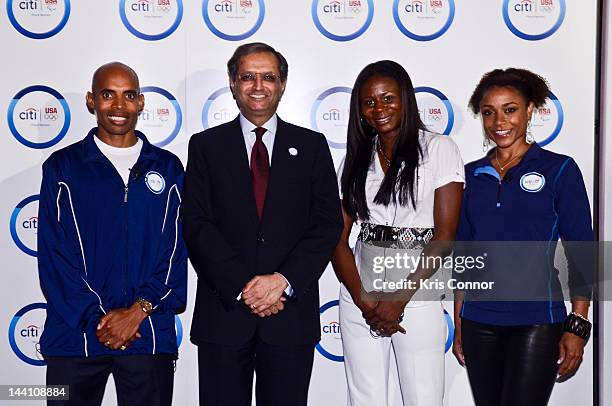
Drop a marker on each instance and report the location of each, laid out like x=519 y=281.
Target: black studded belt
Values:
x=396 y=237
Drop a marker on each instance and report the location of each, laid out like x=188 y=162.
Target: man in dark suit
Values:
x=261 y=217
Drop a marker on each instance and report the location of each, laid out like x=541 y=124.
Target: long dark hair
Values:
x=359 y=149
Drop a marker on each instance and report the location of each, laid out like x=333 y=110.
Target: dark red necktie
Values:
x=260 y=169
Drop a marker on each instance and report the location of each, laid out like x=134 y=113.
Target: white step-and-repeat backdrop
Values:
x=50 y=49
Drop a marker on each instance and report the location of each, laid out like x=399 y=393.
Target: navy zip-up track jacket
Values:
x=102 y=245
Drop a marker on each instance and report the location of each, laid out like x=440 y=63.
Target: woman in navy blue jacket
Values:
x=516 y=344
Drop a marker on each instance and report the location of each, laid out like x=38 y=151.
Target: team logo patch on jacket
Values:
x=155 y=182
x=532 y=182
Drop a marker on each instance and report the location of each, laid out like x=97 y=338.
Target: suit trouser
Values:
x=511 y=365
x=419 y=355
x=225 y=373
x=139 y=379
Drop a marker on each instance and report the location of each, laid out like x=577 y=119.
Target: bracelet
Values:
x=577 y=324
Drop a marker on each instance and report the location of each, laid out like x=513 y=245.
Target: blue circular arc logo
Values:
x=151 y=37
x=38 y=35
x=445 y=101
x=13 y=224
x=20 y=137
x=533 y=37
x=237 y=37
x=417 y=37
x=315 y=108
x=451 y=331
x=560 y=120
x=177 y=110
x=178 y=326
x=11 y=334
x=211 y=99
x=349 y=37
x=323 y=351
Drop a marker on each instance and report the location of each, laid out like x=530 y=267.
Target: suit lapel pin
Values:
x=293 y=151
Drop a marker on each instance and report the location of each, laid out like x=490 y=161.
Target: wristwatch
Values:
x=145 y=305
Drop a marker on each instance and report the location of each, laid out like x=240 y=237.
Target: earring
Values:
x=528 y=135
x=486 y=143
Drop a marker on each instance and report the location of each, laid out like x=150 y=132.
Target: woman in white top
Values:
x=403 y=186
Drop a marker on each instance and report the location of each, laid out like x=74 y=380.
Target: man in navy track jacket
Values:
x=111 y=260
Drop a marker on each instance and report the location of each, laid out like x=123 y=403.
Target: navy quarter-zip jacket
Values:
x=540 y=200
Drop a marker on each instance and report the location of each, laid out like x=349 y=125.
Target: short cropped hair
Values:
x=254 y=48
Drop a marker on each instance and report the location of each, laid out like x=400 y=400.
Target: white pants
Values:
x=419 y=355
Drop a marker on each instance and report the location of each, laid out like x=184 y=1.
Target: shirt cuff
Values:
x=288 y=289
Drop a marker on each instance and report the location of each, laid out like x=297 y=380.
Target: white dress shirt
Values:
x=267 y=138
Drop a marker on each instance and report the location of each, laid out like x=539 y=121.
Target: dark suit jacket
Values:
x=228 y=244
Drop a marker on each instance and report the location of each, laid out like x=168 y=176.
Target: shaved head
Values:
x=109 y=68
x=116 y=101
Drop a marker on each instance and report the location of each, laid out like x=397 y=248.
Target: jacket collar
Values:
x=93 y=153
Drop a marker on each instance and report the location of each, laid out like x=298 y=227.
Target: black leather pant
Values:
x=511 y=365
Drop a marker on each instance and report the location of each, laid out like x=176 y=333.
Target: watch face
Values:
x=147 y=307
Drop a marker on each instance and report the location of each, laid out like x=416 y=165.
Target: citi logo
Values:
x=224 y=6
x=531 y=5
x=29 y=113
x=524 y=6
x=30 y=331
x=415 y=6
x=37 y=5
x=30 y=224
x=333 y=327
x=29 y=5
x=333 y=115
x=333 y=7
x=34 y=114
x=146 y=115
x=141 y=6
x=337 y=7
x=223 y=115
x=146 y=6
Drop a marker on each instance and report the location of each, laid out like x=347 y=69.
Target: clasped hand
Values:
x=264 y=294
x=383 y=316
x=118 y=328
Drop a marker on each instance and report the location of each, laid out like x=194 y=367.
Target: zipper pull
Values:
x=125 y=195
x=498 y=193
